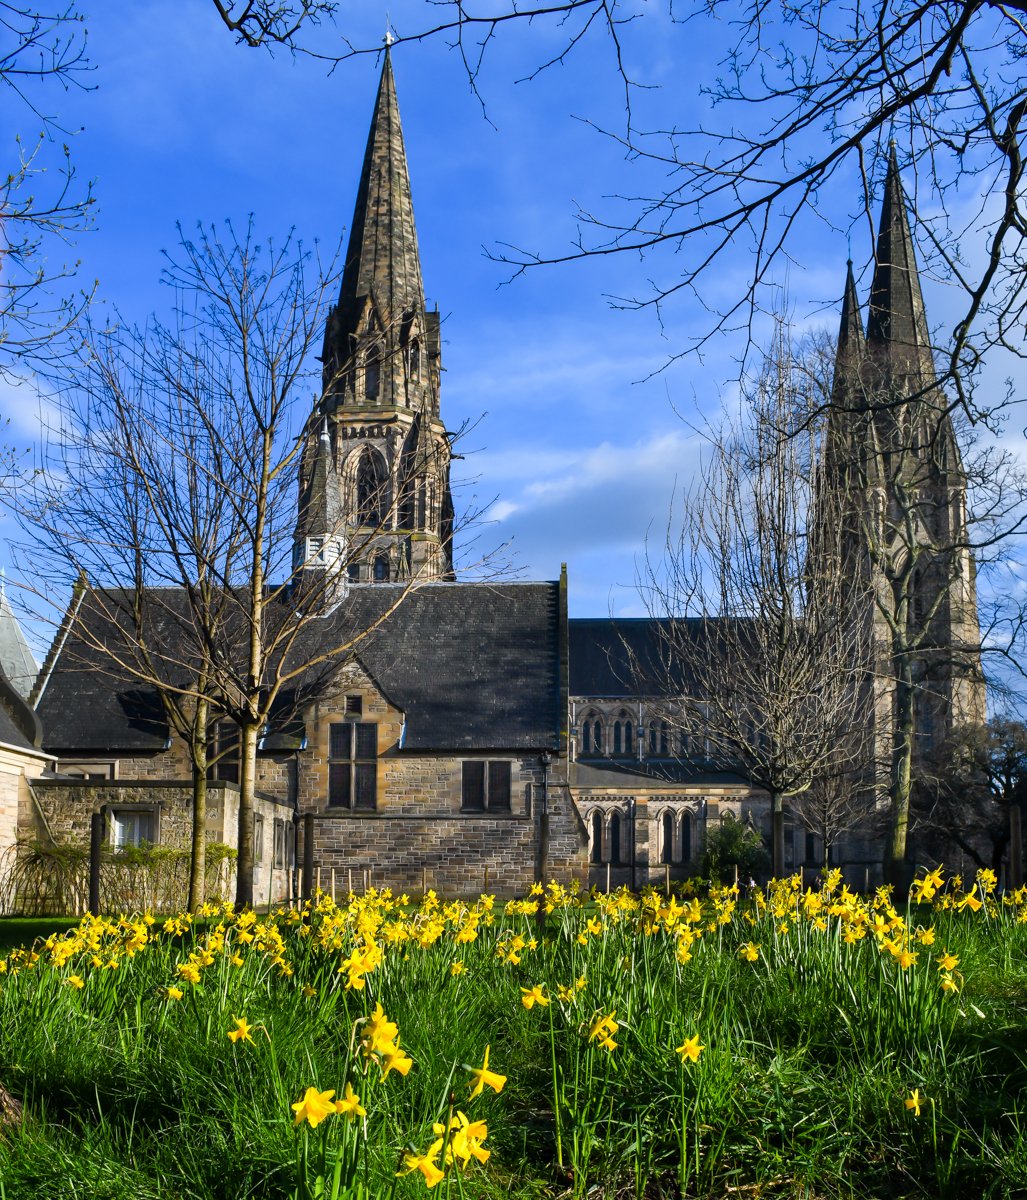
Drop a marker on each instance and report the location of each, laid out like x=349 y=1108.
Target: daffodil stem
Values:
x=556 y=1090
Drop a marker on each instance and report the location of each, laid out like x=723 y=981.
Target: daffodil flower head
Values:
x=241 y=1032
x=313 y=1106
x=426 y=1164
x=690 y=1049
x=914 y=1101
x=482 y=1077
x=350 y=1106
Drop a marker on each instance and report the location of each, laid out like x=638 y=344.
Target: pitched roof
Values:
x=17 y=661
x=472 y=667
x=19 y=725
x=628 y=656
x=642 y=776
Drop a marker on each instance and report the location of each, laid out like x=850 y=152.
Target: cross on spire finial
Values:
x=389 y=37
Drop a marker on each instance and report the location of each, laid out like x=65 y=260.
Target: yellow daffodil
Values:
x=456 y=968
x=948 y=962
x=241 y=1032
x=602 y=1031
x=690 y=1049
x=532 y=996
x=750 y=951
x=914 y=1101
x=482 y=1076
x=175 y=993
x=948 y=983
x=395 y=1059
x=313 y=1106
x=350 y=1106
x=426 y=1164
x=308 y=991
x=76 y=981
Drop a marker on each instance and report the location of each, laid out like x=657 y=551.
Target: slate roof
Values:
x=472 y=667
x=19 y=725
x=16 y=658
x=647 y=775
x=628 y=656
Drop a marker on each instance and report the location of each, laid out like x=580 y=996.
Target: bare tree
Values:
x=42 y=205
x=171 y=488
x=766 y=631
x=972 y=794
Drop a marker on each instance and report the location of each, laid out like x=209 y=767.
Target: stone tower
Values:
x=893 y=464
x=375 y=502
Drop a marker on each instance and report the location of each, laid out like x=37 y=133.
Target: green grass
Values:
x=810 y=1052
x=23 y=931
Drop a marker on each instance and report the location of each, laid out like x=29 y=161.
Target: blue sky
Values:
x=580 y=439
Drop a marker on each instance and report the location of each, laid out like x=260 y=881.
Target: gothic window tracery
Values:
x=371 y=489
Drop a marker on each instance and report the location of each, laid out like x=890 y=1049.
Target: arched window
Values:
x=381 y=569
x=372 y=372
x=415 y=359
x=371 y=505
x=664 y=739
x=596 y=827
x=614 y=855
x=591 y=735
x=623 y=737
x=618 y=735
x=668 y=838
x=686 y=839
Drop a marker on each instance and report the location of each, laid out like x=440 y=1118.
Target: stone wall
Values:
x=59 y=812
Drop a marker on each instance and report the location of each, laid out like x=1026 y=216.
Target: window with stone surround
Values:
x=223 y=752
x=133 y=827
x=485 y=785
x=258 y=838
x=353 y=765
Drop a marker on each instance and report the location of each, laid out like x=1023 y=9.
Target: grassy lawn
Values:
x=23 y=931
x=801 y=1045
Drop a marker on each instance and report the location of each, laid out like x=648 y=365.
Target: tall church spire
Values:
x=382 y=259
x=897 y=327
x=384 y=453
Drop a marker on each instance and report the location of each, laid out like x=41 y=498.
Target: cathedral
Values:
x=480 y=737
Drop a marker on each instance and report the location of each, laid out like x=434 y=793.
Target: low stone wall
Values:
x=57 y=818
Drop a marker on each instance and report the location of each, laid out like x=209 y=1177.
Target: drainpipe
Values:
x=545 y=759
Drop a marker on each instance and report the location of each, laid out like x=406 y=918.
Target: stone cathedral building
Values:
x=480 y=736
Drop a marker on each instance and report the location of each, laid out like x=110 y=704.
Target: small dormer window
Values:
x=322 y=552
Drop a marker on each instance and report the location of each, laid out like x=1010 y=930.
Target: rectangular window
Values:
x=485 y=785
x=258 y=839
x=223 y=752
x=278 y=862
x=353 y=765
x=134 y=827
x=473 y=787
x=354 y=706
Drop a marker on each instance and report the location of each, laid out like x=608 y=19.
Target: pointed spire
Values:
x=382 y=258
x=897 y=323
x=321 y=512
x=850 y=329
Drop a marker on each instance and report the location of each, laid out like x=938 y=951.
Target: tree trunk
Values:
x=198 y=855
x=247 y=785
x=777 y=836
x=901 y=782
x=198 y=858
